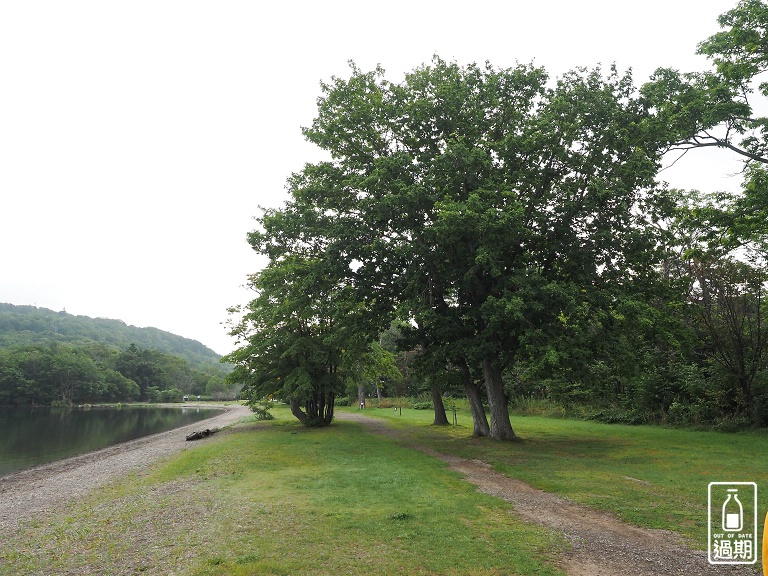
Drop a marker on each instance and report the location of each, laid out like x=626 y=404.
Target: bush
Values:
x=423 y=406
x=261 y=410
x=620 y=416
x=535 y=406
x=733 y=424
x=172 y=395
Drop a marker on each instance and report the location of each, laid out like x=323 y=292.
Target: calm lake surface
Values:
x=33 y=436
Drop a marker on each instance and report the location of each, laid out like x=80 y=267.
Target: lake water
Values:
x=33 y=436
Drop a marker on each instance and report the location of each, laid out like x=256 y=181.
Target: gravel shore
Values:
x=43 y=489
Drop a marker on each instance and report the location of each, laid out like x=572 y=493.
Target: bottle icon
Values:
x=733 y=512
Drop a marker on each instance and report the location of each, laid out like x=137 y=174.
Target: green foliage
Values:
x=716 y=109
x=477 y=203
x=75 y=374
x=514 y=229
x=292 y=338
x=60 y=373
x=261 y=412
x=261 y=408
x=740 y=51
x=620 y=416
x=171 y=395
x=28 y=325
x=48 y=356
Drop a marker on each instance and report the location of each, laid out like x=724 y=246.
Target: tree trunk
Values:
x=378 y=393
x=501 y=427
x=329 y=404
x=361 y=396
x=297 y=411
x=441 y=419
x=472 y=390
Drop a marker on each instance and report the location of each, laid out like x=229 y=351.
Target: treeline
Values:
x=67 y=374
x=28 y=325
x=515 y=230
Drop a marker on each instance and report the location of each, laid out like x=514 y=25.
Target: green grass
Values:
x=277 y=498
x=648 y=476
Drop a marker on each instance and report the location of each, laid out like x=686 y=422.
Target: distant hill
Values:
x=24 y=325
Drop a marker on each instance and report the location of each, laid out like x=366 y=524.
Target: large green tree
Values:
x=292 y=338
x=478 y=203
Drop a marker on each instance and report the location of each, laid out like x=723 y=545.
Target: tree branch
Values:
x=711 y=141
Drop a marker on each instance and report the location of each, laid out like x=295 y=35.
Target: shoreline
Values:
x=41 y=489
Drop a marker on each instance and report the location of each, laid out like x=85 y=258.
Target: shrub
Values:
x=172 y=395
x=620 y=416
x=261 y=410
x=733 y=424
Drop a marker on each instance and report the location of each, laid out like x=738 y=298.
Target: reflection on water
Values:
x=33 y=436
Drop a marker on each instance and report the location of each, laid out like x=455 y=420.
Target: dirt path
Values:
x=43 y=489
x=602 y=545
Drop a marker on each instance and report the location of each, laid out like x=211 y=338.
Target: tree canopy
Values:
x=513 y=227
x=723 y=107
x=478 y=204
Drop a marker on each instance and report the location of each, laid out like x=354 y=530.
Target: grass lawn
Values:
x=276 y=498
x=648 y=476
x=281 y=499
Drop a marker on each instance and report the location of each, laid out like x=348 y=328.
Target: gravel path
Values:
x=601 y=544
x=43 y=489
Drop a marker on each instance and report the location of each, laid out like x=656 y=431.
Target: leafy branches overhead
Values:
x=706 y=109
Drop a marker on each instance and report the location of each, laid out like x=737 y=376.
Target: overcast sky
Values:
x=138 y=139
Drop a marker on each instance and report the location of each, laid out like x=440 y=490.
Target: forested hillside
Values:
x=51 y=357
x=24 y=325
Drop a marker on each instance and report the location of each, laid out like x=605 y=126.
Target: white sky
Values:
x=137 y=139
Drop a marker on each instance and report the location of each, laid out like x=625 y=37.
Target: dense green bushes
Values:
x=69 y=374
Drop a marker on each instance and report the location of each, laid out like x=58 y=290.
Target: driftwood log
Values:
x=202 y=434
